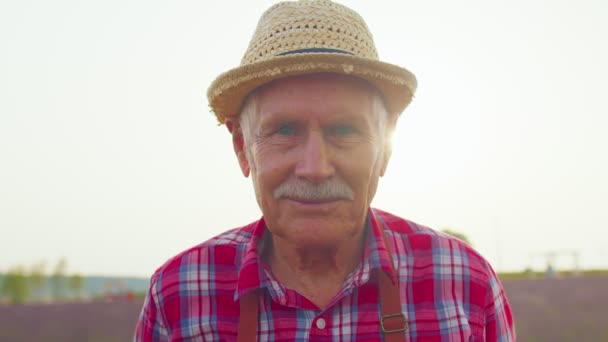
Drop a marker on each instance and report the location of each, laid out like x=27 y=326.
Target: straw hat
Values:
x=305 y=37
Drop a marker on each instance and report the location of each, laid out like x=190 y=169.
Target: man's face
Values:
x=315 y=155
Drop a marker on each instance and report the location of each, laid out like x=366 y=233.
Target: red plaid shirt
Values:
x=448 y=291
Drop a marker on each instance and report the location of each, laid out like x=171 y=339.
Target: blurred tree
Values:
x=58 y=279
x=76 y=285
x=457 y=234
x=37 y=278
x=15 y=285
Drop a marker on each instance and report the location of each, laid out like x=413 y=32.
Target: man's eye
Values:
x=342 y=130
x=286 y=129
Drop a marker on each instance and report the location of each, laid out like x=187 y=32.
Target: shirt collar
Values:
x=375 y=256
x=250 y=272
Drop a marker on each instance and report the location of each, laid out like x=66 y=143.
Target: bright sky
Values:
x=109 y=155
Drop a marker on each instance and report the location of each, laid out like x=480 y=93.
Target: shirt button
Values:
x=320 y=323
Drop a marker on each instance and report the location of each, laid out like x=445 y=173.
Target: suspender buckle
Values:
x=394 y=330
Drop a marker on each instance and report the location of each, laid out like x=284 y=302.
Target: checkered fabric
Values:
x=448 y=291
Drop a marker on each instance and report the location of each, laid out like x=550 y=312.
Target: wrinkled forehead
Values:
x=316 y=92
x=321 y=96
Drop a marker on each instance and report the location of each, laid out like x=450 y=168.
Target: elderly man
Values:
x=311 y=110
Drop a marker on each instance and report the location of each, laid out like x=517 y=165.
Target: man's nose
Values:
x=315 y=162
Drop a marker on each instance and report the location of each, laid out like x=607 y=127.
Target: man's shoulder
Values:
x=402 y=227
x=222 y=250
x=419 y=239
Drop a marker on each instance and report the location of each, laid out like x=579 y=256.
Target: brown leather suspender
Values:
x=393 y=322
x=248 y=320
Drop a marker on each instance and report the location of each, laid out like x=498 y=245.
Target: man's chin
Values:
x=316 y=230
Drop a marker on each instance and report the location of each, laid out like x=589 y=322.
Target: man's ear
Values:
x=238 y=143
x=388 y=143
x=388 y=150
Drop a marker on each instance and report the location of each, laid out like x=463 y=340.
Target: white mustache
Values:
x=332 y=189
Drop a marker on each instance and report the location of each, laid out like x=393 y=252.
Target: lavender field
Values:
x=563 y=309
x=70 y=322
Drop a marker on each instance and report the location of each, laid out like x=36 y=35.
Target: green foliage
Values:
x=15 y=285
x=58 y=280
x=141 y=295
x=37 y=278
x=457 y=235
x=34 y=284
x=76 y=283
x=531 y=274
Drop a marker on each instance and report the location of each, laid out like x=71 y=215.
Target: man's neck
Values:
x=316 y=273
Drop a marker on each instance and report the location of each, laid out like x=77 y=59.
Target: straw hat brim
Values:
x=228 y=91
